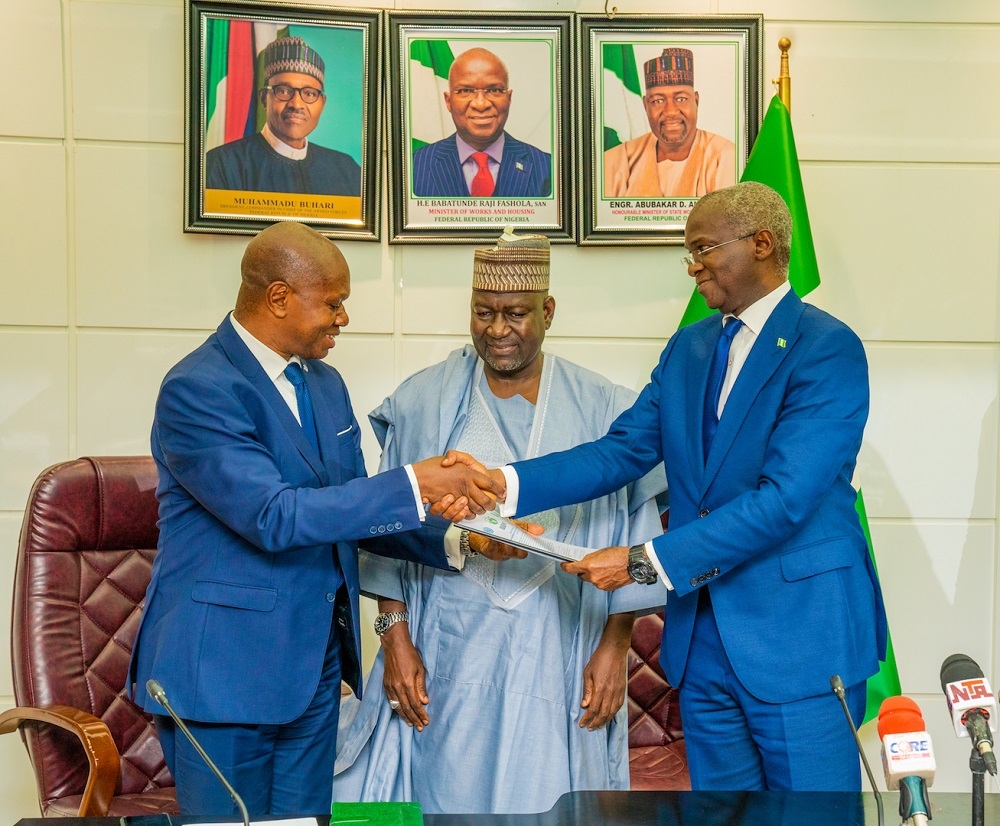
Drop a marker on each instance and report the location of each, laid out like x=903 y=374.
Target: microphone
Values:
x=837 y=685
x=972 y=705
x=157 y=693
x=907 y=757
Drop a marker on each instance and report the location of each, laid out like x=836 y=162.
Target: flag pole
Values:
x=784 y=80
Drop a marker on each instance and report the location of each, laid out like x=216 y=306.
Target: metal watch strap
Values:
x=639 y=567
x=464 y=546
x=383 y=622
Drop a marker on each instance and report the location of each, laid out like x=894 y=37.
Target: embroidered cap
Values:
x=675 y=67
x=518 y=263
x=291 y=54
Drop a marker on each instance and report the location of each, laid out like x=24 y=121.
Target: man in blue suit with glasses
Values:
x=757 y=414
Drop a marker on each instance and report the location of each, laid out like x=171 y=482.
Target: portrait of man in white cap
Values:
x=280 y=157
x=675 y=158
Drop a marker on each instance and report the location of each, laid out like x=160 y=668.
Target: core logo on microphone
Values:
x=907 y=749
x=966 y=690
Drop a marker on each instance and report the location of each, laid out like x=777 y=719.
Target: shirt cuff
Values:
x=452 y=549
x=655 y=562
x=416 y=491
x=509 y=506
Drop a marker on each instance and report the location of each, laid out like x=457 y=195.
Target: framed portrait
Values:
x=480 y=128
x=670 y=107
x=282 y=117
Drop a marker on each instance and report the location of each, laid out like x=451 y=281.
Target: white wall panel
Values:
x=599 y=291
x=938 y=581
x=33 y=233
x=128 y=71
x=32 y=50
x=627 y=363
x=865 y=92
x=135 y=267
x=931 y=11
x=909 y=252
x=930 y=447
x=118 y=377
x=34 y=409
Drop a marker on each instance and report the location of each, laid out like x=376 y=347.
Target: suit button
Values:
x=330 y=596
x=716 y=572
x=703 y=513
x=399 y=526
x=694 y=582
x=381 y=528
x=389 y=528
x=373 y=530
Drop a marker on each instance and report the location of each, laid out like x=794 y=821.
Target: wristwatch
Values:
x=639 y=567
x=383 y=622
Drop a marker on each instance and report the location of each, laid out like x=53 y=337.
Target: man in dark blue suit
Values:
x=251 y=616
x=757 y=414
x=480 y=159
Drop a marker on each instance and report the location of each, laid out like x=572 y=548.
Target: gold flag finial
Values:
x=784 y=80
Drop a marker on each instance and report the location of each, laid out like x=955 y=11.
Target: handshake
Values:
x=456 y=486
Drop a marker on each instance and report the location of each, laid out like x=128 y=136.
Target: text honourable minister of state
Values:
x=480 y=160
x=280 y=158
x=251 y=615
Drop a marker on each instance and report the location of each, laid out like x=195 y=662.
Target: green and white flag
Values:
x=430 y=121
x=621 y=100
x=775 y=162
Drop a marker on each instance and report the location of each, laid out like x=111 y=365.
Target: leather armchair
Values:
x=84 y=558
x=657 y=758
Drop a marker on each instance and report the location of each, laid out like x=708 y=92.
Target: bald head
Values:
x=478 y=60
x=294 y=283
x=478 y=97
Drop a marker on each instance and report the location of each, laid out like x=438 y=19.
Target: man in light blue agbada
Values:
x=504 y=683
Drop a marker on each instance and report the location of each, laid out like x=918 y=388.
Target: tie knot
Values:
x=731 y=328
x=481 y=159
x=295 y=374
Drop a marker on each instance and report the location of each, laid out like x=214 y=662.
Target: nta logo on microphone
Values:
x=966 y=690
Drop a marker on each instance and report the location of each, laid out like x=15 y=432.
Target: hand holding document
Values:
x=501 y=529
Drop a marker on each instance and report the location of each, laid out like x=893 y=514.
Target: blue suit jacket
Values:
x=525 y=172
x=769 y=520
x=239 y=609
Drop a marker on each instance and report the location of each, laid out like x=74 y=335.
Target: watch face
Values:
x=381 y=624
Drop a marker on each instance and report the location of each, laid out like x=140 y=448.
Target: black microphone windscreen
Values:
x=959 y=667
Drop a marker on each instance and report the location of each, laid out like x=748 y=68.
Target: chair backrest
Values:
x=85 y=553
x=654 y=717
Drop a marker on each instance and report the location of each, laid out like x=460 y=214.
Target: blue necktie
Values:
x=296 y=375
x=720 y=361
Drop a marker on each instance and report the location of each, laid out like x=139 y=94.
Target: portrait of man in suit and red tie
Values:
x=480 y=158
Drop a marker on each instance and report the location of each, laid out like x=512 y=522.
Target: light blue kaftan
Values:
x=504 y=644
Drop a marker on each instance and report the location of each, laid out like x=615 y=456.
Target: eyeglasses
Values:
x=491 y=93
x=285 y=93
x=696 y=256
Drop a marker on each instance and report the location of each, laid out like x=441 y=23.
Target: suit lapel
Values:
x=446 y=169
x=515 y=170
x=331 y=418
x=773 y=345
x=244 y=361
x=706 y=335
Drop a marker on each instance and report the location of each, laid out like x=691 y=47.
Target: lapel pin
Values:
x=782 y=342
x=519 y=166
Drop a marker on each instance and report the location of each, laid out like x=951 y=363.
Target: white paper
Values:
x=497 y=527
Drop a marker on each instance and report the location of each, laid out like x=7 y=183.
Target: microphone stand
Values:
x=978 y=766
x=837 y=685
